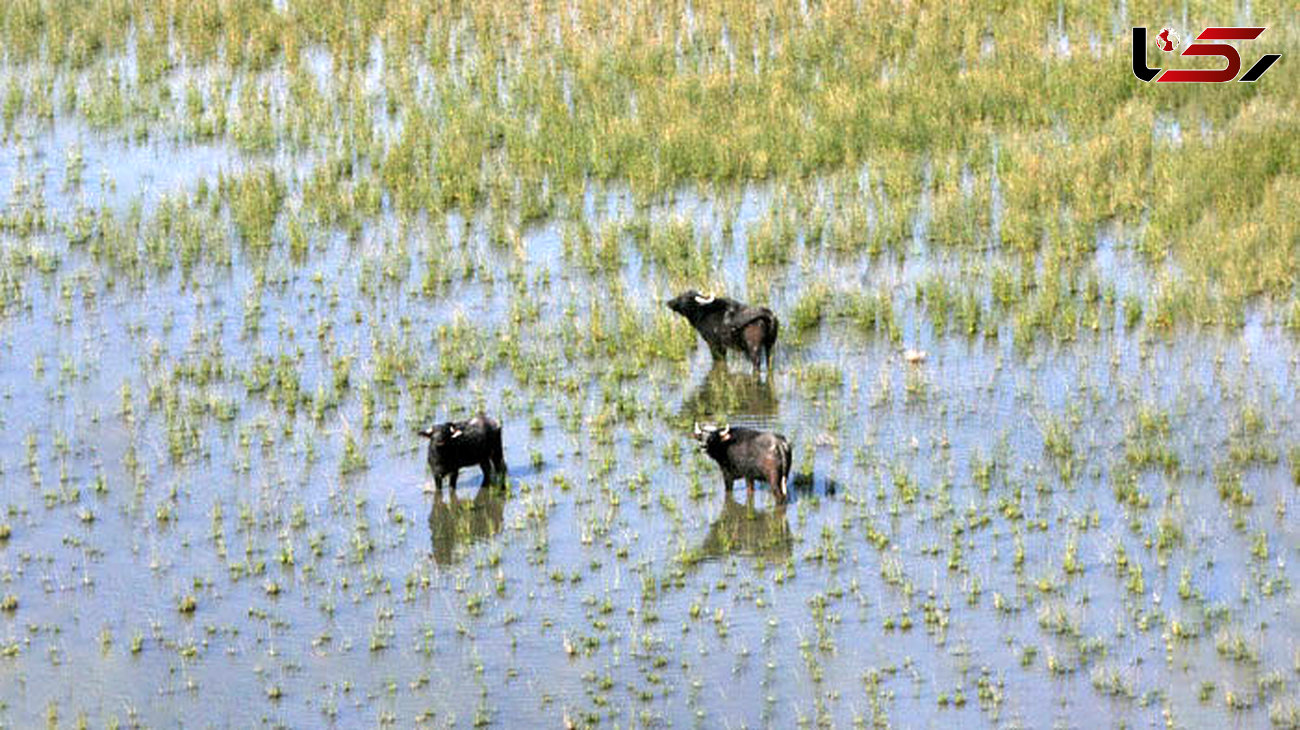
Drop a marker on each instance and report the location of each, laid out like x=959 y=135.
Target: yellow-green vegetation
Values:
x=483 y=101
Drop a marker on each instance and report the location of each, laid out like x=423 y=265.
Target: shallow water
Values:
x=952 y=555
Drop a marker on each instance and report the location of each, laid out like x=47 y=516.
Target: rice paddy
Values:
x=1038 y=361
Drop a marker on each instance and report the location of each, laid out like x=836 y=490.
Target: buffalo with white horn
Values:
x=745 y=453
x=457 y=444
x=728 y=324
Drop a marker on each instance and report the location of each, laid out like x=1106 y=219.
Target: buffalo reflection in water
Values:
x=455 y=524
x=742 y=529
x=724 y=396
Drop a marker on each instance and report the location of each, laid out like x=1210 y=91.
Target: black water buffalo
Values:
x=743 y=453
x=726 y=323
x=456 y=444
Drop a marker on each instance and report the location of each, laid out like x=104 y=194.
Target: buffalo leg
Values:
x=452 y=478
x=726 y=482
x=753 y=339
x=749 y=484
x=497 y=456
x=499 y=467
x=778 y=486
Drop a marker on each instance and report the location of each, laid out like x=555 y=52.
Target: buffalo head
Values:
x=442 y=433
x=691 y=302
x=710 y=435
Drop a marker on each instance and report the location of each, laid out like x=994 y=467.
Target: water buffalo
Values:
x=456 y=444
x=726 y=323
x=744 y=453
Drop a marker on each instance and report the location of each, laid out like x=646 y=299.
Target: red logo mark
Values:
x=1167 y=40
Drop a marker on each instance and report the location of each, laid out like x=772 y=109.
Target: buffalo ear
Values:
x=455 y=432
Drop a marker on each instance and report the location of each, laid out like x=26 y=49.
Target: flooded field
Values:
x=1044 y=418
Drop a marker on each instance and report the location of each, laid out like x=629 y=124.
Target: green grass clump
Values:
x=255 y=200
x=809 y=310
x=873 y=314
